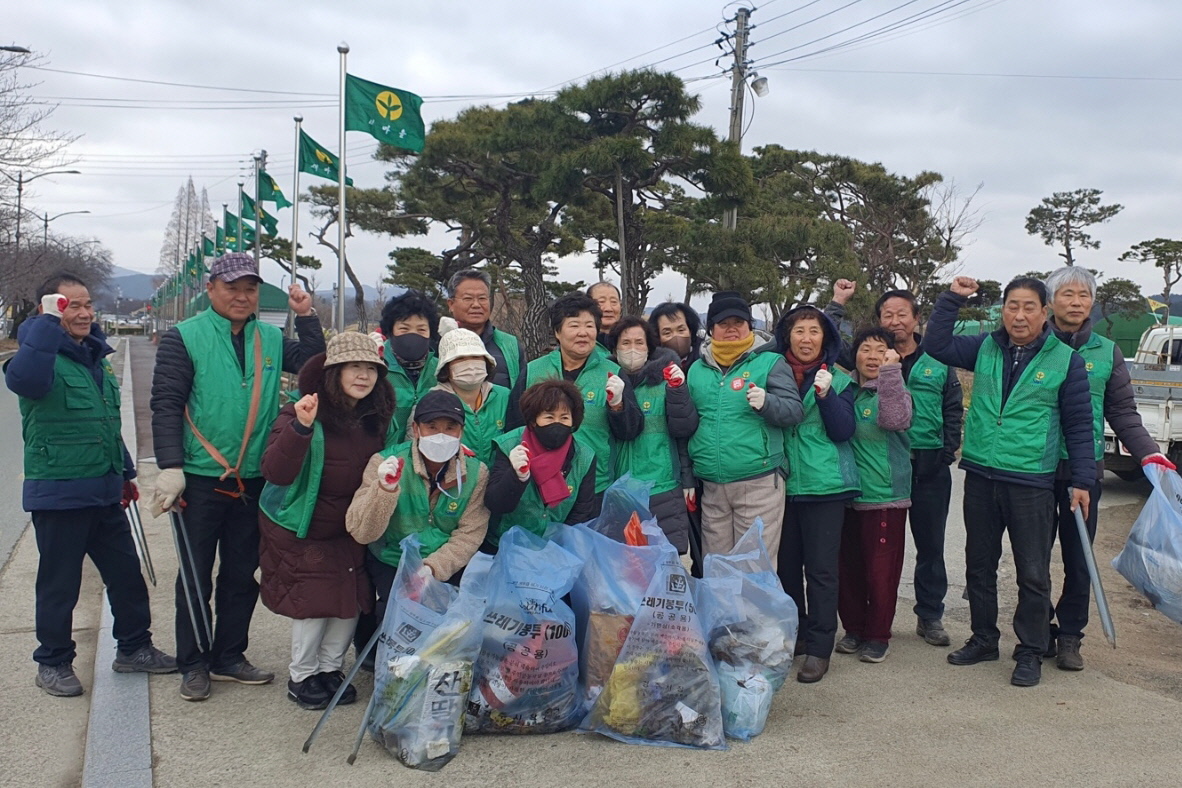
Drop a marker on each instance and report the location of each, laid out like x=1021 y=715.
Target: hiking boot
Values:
x=243 y=673
x=195 y=684
x=813 y=670
x=1068 y=657
x=59 y=680
x=972 y=652
x=1028 y=671
x=147 y=659
x=874 y=651
x=848 y=644
x=332 y=680
x=932 y=631
x=309 y=693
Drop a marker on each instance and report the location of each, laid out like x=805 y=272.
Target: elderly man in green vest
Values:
x=1030 y=399
x=215 y=392
x=1072 y=292
x=470 y=305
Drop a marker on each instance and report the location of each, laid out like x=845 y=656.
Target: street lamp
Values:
x=17 y=50
x=21 y=180
x=48 y=219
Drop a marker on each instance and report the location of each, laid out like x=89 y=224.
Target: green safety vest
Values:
x=732 y=442
x=406 y=393
x=219 y=401
x=1024 y=436
x=591 y=382
x=883 y=456
x=414 y=513
x=291 y=506
x=926 y=384
x=652 y=455
x=1097 y=356
x=817 y=465
x=531 y=513
x=482 y=427
x=511 y=350
x=73 y=432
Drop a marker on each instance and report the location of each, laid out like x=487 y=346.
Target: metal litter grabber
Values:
x=190 y=580
x=336 y=698
x=132 y=513
x=1097 y=586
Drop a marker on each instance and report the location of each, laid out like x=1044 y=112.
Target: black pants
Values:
x=1070 y=615
x=227 y=528
x=931 y=490
x=809 y=546
x=1028 y=513
x=64 y=539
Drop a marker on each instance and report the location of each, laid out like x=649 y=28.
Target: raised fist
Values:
x=519 y=461
x=964 y=286
x=615 y=390
x=674 y=376
x=822 y=381
x=891 y=357
x=299 y=300
x=305 y=409
x=54 y=304
x=389 y=473
x=756 y=396
x=843 y=290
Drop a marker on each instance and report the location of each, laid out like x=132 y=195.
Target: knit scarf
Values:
x=545 y=468
x=727 y=352
x=800 y=369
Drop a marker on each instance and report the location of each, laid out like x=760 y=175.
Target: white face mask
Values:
x=631 y=359
x=468 y=373
x=439 y=447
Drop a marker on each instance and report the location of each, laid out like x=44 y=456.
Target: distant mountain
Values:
x=131 y=285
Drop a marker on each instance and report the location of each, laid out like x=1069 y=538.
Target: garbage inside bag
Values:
x=1152 y=556
x=663 y=689
x=753 y=626
x=423 y=669
x=527 y=674
x=624 y=501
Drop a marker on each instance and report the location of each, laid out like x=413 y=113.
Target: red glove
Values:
x=1159 y=459
x=674 y=376
x=130 y=493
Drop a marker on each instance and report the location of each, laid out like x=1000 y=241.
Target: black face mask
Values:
x=552 y=436
x=410 y=347
x=679 y=345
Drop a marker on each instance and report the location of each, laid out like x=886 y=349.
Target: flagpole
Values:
x=295 y=208
x=258 y=206
x=343 y=49
x=241 y=226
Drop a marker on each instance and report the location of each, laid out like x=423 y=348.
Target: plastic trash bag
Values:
x=527 y=674
x=752 y=631
x=663 y=689
x=423 y=668
x=1152 y=556
x=625 y=498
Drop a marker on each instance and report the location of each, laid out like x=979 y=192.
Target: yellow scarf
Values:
x=726 y=353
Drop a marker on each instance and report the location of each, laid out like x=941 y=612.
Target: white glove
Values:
x=673 y=375
x=378 y=340
x=54 y=304
x=519 y=460
x=169 y=486
x=423 y=572
x=822 y=381
x=447 y=324
x=756 y=396
x=691 y=499
x=615 y=390
x=390 y=473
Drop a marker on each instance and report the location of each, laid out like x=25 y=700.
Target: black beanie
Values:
x=727 y=303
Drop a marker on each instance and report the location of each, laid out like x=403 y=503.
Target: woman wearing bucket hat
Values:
x=465 y=369
x=312 y=569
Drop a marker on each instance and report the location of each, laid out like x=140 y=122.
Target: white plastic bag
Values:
x=1152 y=557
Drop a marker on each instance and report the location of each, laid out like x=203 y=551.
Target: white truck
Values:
x=1156 y=372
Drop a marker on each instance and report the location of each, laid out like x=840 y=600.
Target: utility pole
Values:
x=738 y=83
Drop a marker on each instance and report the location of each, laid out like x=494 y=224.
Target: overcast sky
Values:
x=1026 y=97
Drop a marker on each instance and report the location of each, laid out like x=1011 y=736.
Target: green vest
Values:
x=531 y=513
x=591 y=381
x=219 y=401
x=1097 y=356
x=482 y=427
x=1024 y=436
x=926 y=384
x=291 y=506
x=732 y=442
x=415 y=514
x=817 y=465
x=511 y=350
x=74 y=432
x=652 y=455
x=406 y=393
x=883 y=456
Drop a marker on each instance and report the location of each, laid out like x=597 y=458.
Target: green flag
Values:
x=387 y=114
x=259 y=215
x=219 y=244
x=232 y=245
x=269 y=191
x=316 y=160
x=208 y=248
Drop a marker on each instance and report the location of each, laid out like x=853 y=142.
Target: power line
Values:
x=176 y=84
x=983 y=74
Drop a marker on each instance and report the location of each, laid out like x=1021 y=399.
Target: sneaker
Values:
x=332 y=680
x=243 y=673
x=874 y=651
x=59 y=680
x=309 y=693
x=1068 y=656
x=147 y=659
x=1028 y=671
x=195 y=684
x=972 y=652
x=848 y=644
x=932 y=631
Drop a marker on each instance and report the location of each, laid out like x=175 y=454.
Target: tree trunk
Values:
x=535 y=334
x=358 y=298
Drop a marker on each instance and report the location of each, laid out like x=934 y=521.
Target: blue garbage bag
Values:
x=1152 y=556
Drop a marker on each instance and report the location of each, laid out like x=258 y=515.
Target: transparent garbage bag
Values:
x=1152 y=556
